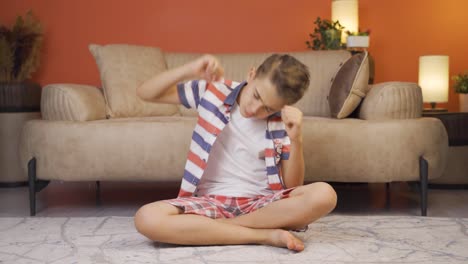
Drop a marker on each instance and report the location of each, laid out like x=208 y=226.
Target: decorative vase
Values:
x=357 y=41
x=463 y=102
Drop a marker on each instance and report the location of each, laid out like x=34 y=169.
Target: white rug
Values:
x=334 y=239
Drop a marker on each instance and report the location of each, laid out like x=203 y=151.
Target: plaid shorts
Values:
x=217 y=206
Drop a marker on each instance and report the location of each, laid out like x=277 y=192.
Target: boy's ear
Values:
x=251 y=74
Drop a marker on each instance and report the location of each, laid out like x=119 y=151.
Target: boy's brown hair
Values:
x=290 y=77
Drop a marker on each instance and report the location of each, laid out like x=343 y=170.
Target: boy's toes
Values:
x=292 y=242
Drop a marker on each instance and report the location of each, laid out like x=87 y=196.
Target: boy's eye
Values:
x=256 y=96
x=269 y=110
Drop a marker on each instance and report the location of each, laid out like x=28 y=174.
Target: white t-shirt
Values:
x=234 y=167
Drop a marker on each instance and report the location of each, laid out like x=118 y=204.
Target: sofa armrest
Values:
x=356 y=150
x=392 y=100
x=72 y=102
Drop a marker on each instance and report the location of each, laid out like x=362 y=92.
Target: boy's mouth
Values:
x=248 y=114
x=245 y=113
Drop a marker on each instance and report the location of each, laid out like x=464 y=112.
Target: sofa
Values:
x=107 y=133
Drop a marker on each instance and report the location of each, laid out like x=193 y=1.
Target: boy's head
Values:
x=280 y=80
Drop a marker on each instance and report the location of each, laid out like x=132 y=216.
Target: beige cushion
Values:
x=72 y=102
x=123 y=68
x=392 y=100
x=349 y=86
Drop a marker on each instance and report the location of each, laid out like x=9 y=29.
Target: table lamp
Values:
x=434 y=80
x=346 y=12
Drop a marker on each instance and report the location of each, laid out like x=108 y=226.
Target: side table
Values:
x=456 y=124
x=11 y=124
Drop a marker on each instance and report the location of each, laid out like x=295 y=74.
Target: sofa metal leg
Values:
x=387 y=195
x=35 y=185
x=32 y=186
x=423 y=174
x=98 y=193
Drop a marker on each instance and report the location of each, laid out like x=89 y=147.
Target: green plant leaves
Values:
x=326 y=36
x=461 y=83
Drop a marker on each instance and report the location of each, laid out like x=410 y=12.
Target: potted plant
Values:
x=358 y=39
x=326 y=36
x=19 y=57
x=20 y=98
x=461 y=87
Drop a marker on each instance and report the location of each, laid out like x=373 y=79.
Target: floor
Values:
x=78 y=199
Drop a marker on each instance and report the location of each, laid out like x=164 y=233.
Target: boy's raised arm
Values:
x=293 y=168
x=162 y=88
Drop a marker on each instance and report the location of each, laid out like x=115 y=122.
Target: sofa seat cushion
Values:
x=355 y=150
x=123 y=68
x=143 y=149
x=155 y=149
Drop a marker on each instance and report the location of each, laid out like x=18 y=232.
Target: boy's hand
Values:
x=292 y=118
x=206 y=67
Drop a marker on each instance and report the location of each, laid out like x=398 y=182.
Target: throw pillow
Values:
x=349 y=86
x=123 y=68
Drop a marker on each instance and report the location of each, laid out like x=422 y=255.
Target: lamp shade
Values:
x=434 y=78
x=346 y=12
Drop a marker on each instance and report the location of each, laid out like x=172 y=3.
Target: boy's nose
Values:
x=256 y=108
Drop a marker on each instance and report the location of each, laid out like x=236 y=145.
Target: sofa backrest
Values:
x=322 y=65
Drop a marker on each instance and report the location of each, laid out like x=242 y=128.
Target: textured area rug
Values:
x=333 y=239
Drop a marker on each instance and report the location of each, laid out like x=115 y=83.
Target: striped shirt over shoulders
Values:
x=214 y=101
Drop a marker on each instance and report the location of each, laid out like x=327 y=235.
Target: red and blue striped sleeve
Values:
x=191 y=92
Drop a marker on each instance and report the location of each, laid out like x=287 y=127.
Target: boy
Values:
x=252 y=186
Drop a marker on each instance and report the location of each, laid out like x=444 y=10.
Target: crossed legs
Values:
x=160 y=221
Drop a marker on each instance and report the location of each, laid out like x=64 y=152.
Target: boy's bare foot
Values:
x=283 y=238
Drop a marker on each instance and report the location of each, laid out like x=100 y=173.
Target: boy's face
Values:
x=259 y=98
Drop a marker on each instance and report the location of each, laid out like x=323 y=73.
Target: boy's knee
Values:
x=143 y=218
x=324 y=196
x=332 y=197
x=148 y=219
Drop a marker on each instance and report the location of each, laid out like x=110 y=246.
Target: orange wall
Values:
x=402 y=30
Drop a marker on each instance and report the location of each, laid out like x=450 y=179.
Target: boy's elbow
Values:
x=140 y=93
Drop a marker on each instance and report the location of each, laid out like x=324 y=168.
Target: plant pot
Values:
x=332 y=39
x=463 y=98
x=20 y=97
x=357 y=42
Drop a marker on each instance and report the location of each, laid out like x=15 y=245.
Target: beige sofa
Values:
x=109 y=134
